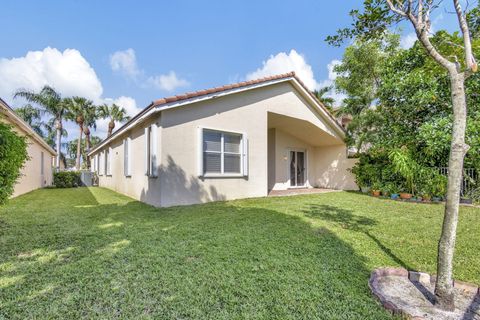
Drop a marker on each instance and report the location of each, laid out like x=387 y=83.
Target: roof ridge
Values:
x=202 y=92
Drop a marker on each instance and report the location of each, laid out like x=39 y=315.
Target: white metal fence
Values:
x=471 y=179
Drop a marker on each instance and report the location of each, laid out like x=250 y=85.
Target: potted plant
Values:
x=427 y=197
x=406 y=195
x=376 y=189
x=438 y=187
x=386 y=189
x=406 y=167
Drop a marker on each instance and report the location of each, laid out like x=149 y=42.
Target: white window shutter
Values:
x=109 y=167
x=96 y=163
x=102 y=163
x=105 y=162
x=154 y=149
x=245 y=155
x=200 y=152
x=129 y=152
x=125 y=157
x=99 y=165
x=147 y=156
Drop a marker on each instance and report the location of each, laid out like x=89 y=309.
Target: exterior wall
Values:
x=178 y=181
x=332 y=168
x=138 y=185
x=271 y=158
x=243 y=113
x=31 y=174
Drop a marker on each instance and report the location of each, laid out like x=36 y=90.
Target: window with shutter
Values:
x=151 y=136
x=223 y=153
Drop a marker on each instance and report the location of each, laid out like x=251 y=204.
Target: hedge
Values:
x=13 y=154
x=66 y=179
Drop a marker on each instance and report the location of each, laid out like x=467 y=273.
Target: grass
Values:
x=92 y=253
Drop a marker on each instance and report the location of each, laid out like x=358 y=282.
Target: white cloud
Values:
x=67 y=71
x=407 y=41
x=168 y=82
x=285 y=62
x=128 y=103
x=294 y=61
x=332 y=75
x=126 y=63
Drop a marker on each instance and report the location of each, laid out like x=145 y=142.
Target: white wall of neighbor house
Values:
x=36 y=173
x=180 y=180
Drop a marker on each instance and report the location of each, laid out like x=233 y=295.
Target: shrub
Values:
x=66 y=179
x=13 y=154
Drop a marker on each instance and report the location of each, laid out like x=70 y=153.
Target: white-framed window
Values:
x=108 y=161
x=127 y=157
x=151 y=154
x=222 y=153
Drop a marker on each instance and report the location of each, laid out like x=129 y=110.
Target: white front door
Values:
x=297 y=166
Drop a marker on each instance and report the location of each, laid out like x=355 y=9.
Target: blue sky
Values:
x=175 y=46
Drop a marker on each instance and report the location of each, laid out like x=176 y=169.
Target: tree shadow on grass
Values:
x=346 y=219
x=219 y=260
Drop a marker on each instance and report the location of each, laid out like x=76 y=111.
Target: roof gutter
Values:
x=12 y=115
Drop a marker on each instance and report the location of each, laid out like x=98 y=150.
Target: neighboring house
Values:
x=37 y=171
x=236 y=141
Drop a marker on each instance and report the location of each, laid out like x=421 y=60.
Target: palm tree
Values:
x=32 y=116
x=91 y=116
x=50 y=137
x=328 y=102
x=52 y=103
x=114 y=113
x=77 y=109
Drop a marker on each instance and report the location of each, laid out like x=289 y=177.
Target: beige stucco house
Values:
x=236 y=141
x=37 y=171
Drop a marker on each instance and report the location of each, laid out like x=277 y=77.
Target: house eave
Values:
x=154 y=108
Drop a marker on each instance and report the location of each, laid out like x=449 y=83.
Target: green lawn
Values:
x=86 y=253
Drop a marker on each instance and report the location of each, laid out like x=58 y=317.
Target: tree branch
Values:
x=395 y=9
x=469 y=58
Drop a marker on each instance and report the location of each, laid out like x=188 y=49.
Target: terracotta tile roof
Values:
x=204 y=92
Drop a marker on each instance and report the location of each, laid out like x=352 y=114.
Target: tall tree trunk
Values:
x=79 y=148
x=444 y=286
x=87 y=145
x=58 y=128
x=111 y=126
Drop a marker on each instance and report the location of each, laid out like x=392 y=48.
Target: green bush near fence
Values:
x=66 y=179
